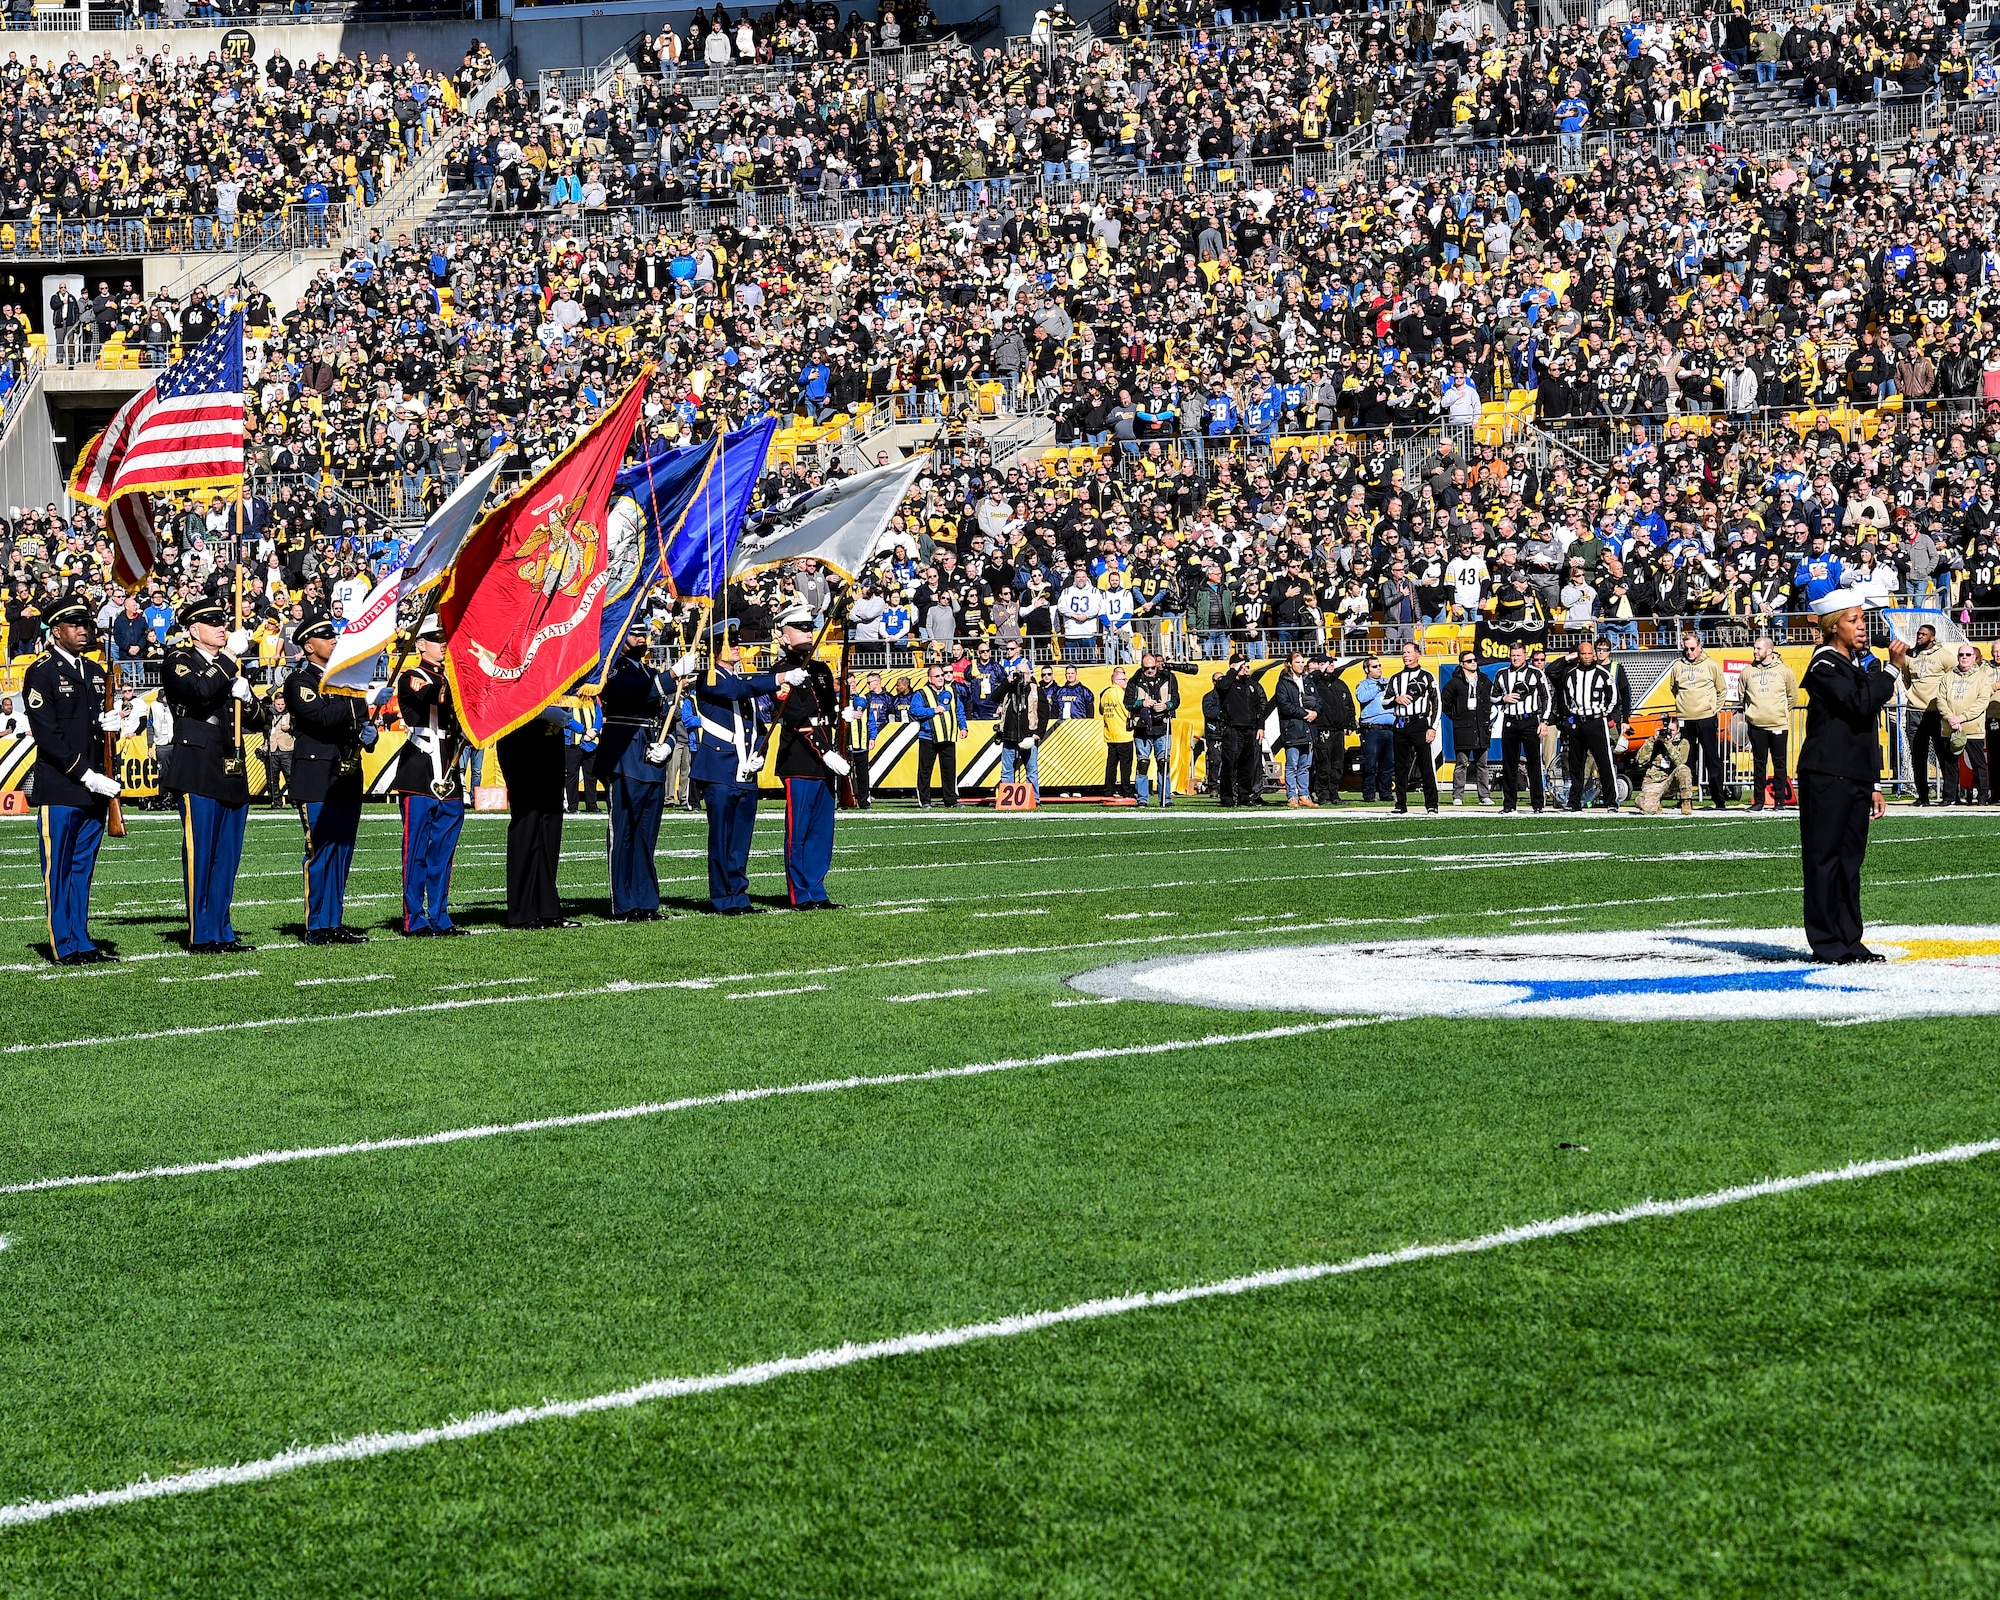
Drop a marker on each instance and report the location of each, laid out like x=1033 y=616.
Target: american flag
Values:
x=129 y=521
x=185 y=432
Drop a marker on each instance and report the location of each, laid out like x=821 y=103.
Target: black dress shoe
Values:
x=642 y=916
x=348 y=936
x=1862 y=957
x=235 y=947
x=420 y=933
x=559 y=922
x=311 y=936
x=203 y=949
x=823 y=905
x=451 y=933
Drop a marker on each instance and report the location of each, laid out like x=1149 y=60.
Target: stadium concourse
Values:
x=1219 y=1184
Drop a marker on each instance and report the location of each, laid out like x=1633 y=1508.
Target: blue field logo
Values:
x=1705 y=974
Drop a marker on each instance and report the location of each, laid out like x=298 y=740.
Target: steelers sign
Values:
x=1699 y=975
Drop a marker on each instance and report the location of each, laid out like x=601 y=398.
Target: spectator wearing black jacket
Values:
x=1244 y=708
x=1336 y=720
x=1468 y=706
x=1151 y=699
x=1297 y=700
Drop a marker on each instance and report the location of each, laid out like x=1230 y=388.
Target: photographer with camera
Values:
x=1664 y=773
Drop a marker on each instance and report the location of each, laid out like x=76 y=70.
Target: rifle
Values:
x=114 y=818
x=234 y=763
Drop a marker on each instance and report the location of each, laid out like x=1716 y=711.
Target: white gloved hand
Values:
x=853 y=714
x=794 y=678
x=98 y=783
x=1028 y=743
x=241 y=689
x=660 y=752
x=687 y=665
x=239 y=643
x=839 y=766
x=111 y=721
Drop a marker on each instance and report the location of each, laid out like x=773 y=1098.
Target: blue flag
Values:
x=650 y=499
x=697 y=557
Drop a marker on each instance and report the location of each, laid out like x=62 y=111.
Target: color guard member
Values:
x=809 y=762
x=329 y=732
x=428 y=779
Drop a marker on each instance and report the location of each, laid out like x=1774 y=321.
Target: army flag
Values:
x=523 y=605
x=838 y=525
x=649 y=503
x=699 y=556
x=364 y=636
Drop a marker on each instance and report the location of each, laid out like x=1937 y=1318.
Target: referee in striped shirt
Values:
x=1522 y=694
x=1590 y=699
x=1413 y=695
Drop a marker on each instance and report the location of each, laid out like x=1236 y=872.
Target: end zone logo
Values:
x=1718 y=975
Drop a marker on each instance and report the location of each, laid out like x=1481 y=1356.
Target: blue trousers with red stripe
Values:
x=809 y=808
x=332 y=826
x=211 y=851
x=69 y=837
x=430 y=838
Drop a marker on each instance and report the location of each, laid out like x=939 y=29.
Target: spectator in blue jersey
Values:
x=985 y=682
x=1378 y=732
x=1572 y=115
x=1073 y=700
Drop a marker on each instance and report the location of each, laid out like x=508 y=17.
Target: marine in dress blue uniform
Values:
x=808 y=761
x=631 y=762
x=64 y=695
x=329 y=732
x=1840 y=765
x=730 y=734
x=430 y=785
x=202 y=686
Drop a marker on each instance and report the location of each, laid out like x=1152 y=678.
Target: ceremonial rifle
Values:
x=114 y=819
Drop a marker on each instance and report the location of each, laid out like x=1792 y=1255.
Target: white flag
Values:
x=428 y=556
x=838 y=526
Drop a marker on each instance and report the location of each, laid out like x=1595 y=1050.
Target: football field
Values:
x=1105 y=1204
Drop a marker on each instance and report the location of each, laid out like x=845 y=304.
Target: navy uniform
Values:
x=809 y=762
x=328 y=733
x=729 y=739
x=1839 y=765
x=428 y=780
x=205 y=767
x=64 y=695
x=631 y=763
x=532 y=765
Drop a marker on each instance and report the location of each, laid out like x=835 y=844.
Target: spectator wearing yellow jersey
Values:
x=1768 y=693
x=1117 y=736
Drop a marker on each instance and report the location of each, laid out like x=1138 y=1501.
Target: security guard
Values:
x=64 y=697
x=430 y=783
x=205 y=767
x=1840 y=765
x=728 y=755
x=808 y=762
x=631 y=762
x=329 y=732
x=1663 y=768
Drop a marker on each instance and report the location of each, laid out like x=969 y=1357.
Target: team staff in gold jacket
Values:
x=1962 y=697
x=1927 y=662
x=1768 y=693
x=1699 y=687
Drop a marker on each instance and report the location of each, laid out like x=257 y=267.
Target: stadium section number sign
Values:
x=1714 y=975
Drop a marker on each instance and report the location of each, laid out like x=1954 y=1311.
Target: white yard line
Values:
x=934 y=994
x=366 y=977
x=831 y=1358
x=584 y=1119
x=772 y=994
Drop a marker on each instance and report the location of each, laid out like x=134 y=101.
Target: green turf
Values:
x=1794 y=1396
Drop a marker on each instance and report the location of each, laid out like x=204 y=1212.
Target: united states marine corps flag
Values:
x=523 y=605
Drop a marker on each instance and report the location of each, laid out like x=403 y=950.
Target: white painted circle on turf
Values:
x=1710 y=974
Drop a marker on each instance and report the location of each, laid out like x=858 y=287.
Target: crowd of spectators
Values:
x=1281 y=380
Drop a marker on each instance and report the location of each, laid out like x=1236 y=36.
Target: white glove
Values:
x=839 y=766
x=687 y=666
x=98 y=783
x=1028 y=743
x=241 y=689
x=853 y=714
x=239 y=643
x=111 y=721
x=793 y=678
x=660 y=752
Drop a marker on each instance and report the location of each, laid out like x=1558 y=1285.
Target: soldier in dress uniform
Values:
x=533 y=766
x=64 y=699
x=428 y=779
x=1840 y=770
x=329 y=732
x=203 y=687
x=809 y=760
x=728 y=754
x=633 y=749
